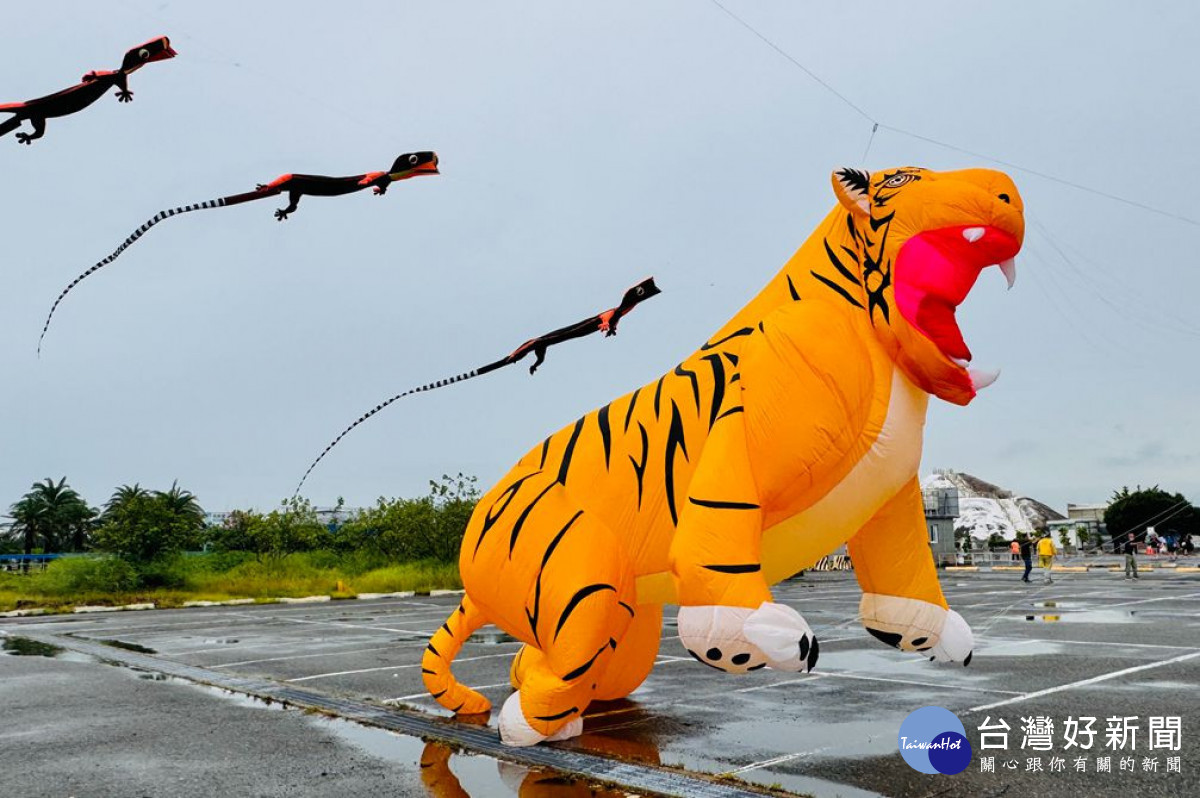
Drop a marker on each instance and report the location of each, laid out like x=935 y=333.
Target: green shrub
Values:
x=78 y=575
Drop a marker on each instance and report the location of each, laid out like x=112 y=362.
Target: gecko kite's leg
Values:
x=124 y=95
x=539 y=352
x=293 y=203
x=39 y=130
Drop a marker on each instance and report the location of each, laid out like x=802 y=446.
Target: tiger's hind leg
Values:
x=634 y=658
x=631 y=663
x=578 y=609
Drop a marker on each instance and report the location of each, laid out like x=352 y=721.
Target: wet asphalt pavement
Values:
x=1091 y=644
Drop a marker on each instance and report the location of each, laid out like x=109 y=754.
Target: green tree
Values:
x=142 y=525
x=294 y=527
x=1133 y=511
x=52 y=516
x=430 y=527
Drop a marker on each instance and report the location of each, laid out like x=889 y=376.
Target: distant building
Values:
x=941 y=508
x=1084 y=526
x=332 y=517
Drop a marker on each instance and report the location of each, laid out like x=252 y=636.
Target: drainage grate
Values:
x=642 y=778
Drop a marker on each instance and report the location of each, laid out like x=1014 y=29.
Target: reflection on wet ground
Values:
x=816 y=733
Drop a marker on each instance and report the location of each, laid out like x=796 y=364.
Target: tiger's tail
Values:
x=441 y=651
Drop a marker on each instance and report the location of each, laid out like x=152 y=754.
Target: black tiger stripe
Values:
x=579 y=596
x=629 y=413
x=735 y=378
x=741 y=568
x=490 y=519
x=532 y=617
x=792 y=289
x=842 y=291
x=731 y=411
x=732 y=335
x=582 y=669
x=569 y=452
x=627 y=608
x=447 y=628
x=837 y=264
x=545 y=451
x=658 y=396
x=718 y=398
x=640 y=468
x=519 y=525
x=680 y=371
x=559 y=716
x=605 y=433
x=675 y=441
x=434 y=650
x=851 y=252
x=731 y=357
x=431 y=673
x=439 y=694
x=716 y=504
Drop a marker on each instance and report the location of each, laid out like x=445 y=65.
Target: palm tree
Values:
x=54 y=514
x=123 y=497
x=183 y=503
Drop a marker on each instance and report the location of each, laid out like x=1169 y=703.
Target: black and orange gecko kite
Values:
x=92 y=87
x=410 y=164
x=605 y=322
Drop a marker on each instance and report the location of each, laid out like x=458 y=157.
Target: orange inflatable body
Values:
x=795 y=429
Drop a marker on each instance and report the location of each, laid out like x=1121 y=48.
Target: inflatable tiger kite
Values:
x=795 y=429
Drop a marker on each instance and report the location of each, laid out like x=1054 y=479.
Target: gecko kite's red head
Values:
x=414 y=164
x=154 y=50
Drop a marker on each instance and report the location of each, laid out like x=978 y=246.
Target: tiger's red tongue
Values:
x=935 y=318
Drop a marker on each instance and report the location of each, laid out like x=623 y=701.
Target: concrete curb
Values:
x=233 y=602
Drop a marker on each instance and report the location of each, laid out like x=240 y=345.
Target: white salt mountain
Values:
x=986 y=509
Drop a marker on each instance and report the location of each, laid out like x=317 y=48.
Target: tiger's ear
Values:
x=852 y=187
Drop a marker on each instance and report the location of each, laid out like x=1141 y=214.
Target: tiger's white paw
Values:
x=516 y=731
x=914 y=625
x=739 y=639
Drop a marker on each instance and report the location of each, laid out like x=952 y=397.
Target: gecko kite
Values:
x=92 y=87
x=605 y=322
x=408 y=165
x=796 y=428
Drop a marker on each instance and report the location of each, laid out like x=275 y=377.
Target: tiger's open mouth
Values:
x=934 y=272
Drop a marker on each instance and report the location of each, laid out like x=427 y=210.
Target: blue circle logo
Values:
x=933 y=740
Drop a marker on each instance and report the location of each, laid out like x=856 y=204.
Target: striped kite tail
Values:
x=466 y=375
x=441 y=651
x=141 y=231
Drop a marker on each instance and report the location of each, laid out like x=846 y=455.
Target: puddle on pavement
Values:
x=128 y=646
x=447 y=773
x=1085 y=616
x=492 y=636
x=24 y=647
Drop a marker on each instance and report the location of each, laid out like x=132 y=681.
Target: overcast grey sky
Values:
x=584 y=146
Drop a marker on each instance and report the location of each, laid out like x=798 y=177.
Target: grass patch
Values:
x=24 y=647
x=108 y=581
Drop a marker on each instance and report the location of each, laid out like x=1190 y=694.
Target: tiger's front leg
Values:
x=727 y=618
x=902 y=604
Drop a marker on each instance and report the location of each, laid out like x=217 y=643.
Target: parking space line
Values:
x=387 y=668
x=1149 y=600
x=300 y=656
x=1084 y=682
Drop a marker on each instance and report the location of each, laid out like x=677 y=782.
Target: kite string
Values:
x=876 y=124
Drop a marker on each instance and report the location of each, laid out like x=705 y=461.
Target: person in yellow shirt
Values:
x=1046 y=552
